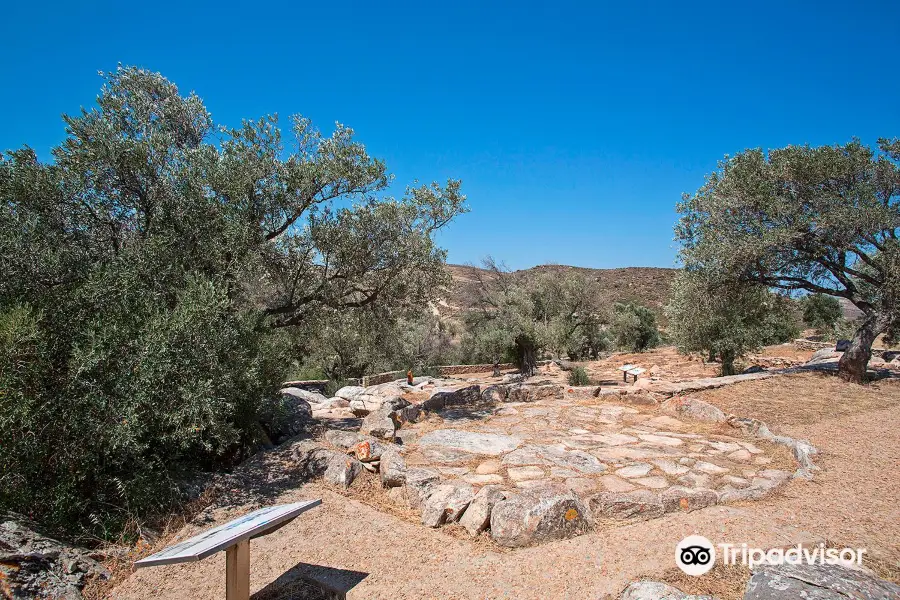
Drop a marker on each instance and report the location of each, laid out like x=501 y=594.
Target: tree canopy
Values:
x=150 y=272
x=820 y=219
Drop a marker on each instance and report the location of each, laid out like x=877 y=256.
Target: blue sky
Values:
x=575 y=127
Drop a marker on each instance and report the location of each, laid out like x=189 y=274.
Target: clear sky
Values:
x=575 y=127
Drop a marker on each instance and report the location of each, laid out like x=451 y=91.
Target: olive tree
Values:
x=821 y=311
x=819 y=219
x=149 y=274
x=726 y=320
x=518 y=315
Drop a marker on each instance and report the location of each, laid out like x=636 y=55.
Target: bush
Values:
x=821 y=312
x=578 y=376
x=634 y=327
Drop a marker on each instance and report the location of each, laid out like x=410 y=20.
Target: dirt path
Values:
x=855 y=501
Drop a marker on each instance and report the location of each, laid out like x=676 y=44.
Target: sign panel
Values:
x=627 y=367
x=255 y=524
x=636 y=371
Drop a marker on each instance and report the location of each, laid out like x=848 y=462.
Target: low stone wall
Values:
x=443 y=371
x=805 y=344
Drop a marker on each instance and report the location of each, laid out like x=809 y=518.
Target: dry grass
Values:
x=802 y=399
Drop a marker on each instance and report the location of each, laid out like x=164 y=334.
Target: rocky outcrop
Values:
x=817 y=582
x=542 y=515
x=286 y=418
x=693 y=408
x=392 y=469
x=311 y=397
x=342 y=470
x=526 y=392
x=35 y=566
x=419 y=483
x=639 y=504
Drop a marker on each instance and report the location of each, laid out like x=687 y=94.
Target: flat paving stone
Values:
x=477 y=443
x=639 y=470
x=615 y=484
x=523 y=473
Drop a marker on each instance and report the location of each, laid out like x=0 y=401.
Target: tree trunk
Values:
x=525 y=355
x=853 y=364
x=727 y=363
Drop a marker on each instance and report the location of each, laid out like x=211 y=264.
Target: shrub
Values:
x=578 y=376
x=821 y=312
x=634 y=327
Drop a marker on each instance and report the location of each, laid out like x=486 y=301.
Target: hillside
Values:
x=645 y=285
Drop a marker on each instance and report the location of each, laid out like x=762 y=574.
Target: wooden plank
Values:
x=237 y=571
x=259 y=522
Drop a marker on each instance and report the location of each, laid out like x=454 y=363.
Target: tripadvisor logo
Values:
x=696 y=555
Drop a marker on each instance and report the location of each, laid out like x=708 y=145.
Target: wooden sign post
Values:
x=233 y=537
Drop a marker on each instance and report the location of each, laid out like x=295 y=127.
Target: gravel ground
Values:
x=854 y=500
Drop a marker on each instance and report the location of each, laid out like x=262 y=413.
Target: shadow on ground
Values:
x=311 y=582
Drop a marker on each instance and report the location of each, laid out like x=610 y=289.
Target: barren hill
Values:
x=645 y=285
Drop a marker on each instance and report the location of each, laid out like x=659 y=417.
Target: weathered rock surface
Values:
x=685 y=499
x=694 y=409
x=382 y=422
x=419 y=483
x=654 y=590
x=477 y=517
x=492 y=444
x=35 y=566
x=526 y=392
x=817 y=582
x=290 y=416
x=311 y=397
x=542 y=515
x=444 y=398
x=639 y=504
x=494 y=394
x=371 y=399
x=446 y=503
x=349 y=392
x=342 y=470
x=392 y=469
x=312 y=460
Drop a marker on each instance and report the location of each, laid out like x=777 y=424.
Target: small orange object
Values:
x=685 y=505
x=409 y=377
x=363 y=451
x=571 y=514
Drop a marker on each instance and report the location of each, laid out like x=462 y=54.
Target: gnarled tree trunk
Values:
x=727 y=362
x=853 y=364
x=525 y=355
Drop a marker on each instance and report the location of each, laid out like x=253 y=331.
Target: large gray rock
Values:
x=817 y=582
x=477 y=517
x=444 y=398
x=392 y=469
x=342 y=470
x=374 y=396
x=287 y=417
x=349 y=392
x=419 y=484
x=35 y=566
x=468 y=441
x=694 y=409
x=383 y=422
x=493 y=394
x=446 y=503
x=545 y=514
x=311 y=459
x=341 y=439
x=526 y=392
x=311 y=397
x=639 y=504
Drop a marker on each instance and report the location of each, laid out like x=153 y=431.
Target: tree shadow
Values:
x=304 y=581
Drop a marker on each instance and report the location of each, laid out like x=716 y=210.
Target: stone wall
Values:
x=443 y=371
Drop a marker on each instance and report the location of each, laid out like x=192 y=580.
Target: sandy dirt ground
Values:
x=854 y=500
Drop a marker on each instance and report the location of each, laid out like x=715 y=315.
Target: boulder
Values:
x=393 y=469
x=349 y=392
x=816 y=582
x=311 y=397
x=639 y=504
x=311 y=459
x=369 y=450
x=824 y=355
x=493 y=394
x=419 y=483
x=547 y=513
x=374 y=396
x=342 y=470
x=35 y=566
x=336 y=403
x=287 y=417
x=477 y=517
x=694 y=409
x=842 y=346
x=443 y=398
x=341 y=439
x=381 y=423
x=446 y=503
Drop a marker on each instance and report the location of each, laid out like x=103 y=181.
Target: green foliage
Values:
x=821 y=311
x=150 y=273
x=727 y=320
x=824 y=220
x=578 y=376
x=634 y=327
x=515 y=317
